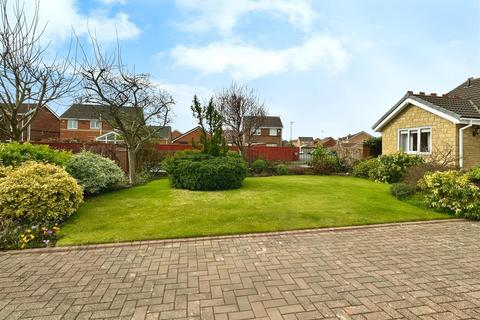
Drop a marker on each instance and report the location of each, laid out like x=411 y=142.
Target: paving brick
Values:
x=418 y=271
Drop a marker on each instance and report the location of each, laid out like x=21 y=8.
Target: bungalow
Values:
x=189 y=137
x=44 y=126
x=431 y=124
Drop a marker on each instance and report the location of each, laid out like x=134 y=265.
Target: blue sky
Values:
x=332 y=67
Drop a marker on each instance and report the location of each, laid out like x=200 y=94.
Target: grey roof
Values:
x=83 y=111
x=91 y=111
x=305 y=138
x=461 y=102
x=163 y=132
x=270 y=122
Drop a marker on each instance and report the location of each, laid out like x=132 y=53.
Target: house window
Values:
x=72 y=124
x=94 y=124
x=258 y=132
x=273 y=131
x=415 y=140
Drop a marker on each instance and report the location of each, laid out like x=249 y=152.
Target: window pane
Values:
x=403 y=141
x=425 y=140
x=72 y=124
x=413 y=143
x=273 y=131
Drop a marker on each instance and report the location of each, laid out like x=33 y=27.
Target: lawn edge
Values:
x=139 y=243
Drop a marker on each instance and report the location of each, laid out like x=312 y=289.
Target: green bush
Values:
x=281 y=169
x=199 y=171
x=474 y=175
x=324 y=161
x=451 y=191
x=94 y=172
x=365 y=169
x=37 y=192
x=14 y=154
x=392 y=167
x=259 y=166
x=401 y=190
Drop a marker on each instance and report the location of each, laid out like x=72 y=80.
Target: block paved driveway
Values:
x=420 y=271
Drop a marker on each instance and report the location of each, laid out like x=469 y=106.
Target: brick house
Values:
x=189 y=137
x=431 y=124
x=359 y=137
x=86 y=122
x=44 y=126
x=304 y=142
x=327 y=142
x=269 y=133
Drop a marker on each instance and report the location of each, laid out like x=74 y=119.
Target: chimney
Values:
x=469 y=82
x=433 y=94
x=421 y=93
x=409 y=92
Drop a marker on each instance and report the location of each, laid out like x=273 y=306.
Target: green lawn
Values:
x=155 y=211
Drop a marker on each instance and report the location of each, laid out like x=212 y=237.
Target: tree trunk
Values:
x=132 y=166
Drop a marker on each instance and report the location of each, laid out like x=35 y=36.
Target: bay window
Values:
x=415 y=140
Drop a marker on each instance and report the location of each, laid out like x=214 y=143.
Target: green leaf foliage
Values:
x=14 y=154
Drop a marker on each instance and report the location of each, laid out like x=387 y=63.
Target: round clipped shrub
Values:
x=38 y=192
x=14 y=154
x=365 y=169
x=324 y=161
x=258 y=166
x=401 y=190
x=281 y=169
x=94 y=172
x=198 y=171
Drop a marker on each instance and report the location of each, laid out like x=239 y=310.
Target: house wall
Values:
x=266 y=138
x=188 y=138
x=83 y=133
x=444 y=132
x=45 y=126
x=471 y=148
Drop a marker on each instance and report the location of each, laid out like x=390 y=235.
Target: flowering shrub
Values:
x=14 y=154
x=94 y=172
x=37 y=192
x=392 y=167
x=451 y=191
x=15 y=236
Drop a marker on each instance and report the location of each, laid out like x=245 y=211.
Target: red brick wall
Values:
x=44 y=126
x=83 y=133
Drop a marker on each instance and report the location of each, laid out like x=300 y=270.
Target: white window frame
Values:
x=419 y=130
x=257 y=132
x=95 y=121
x=69 y=121
x=270 y=130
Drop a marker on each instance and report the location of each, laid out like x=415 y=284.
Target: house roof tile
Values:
x=270 y=122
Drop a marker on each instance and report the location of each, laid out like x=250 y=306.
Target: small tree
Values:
x=25 y=75
x=130 y=102
x=375 y=146
x=243 y=114
x=210 y=122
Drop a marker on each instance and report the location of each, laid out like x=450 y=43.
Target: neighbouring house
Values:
x=359 y=137
x=327 y=142
x=304 y=142
x=269 y=133
x=44 y=126
x=176 y=134
x=190 y=137
x=86 y=123
x=436 y=125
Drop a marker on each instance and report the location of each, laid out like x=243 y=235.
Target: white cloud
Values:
x=244 y=61
x=110 y=2
x=62 y=16
x=223 y=15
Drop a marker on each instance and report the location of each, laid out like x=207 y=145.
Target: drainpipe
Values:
x=460 y=144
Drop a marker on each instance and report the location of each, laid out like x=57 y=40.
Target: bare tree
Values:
x=28 y=79
x=243 y=114
x=130 y=102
